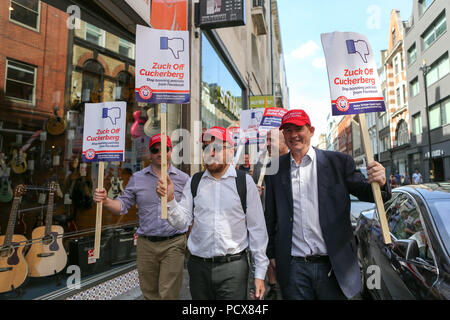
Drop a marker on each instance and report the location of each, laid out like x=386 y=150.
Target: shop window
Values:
x=402 y=133
x=438 y=70
x=95 y=35
x=25 y=13
x=434 y=31
x=20 y=81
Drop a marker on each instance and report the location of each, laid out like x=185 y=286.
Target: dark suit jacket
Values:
x=337 y=177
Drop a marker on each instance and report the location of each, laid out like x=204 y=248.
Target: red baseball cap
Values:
x=297 y=117
x=218 y=132
x=157 y=138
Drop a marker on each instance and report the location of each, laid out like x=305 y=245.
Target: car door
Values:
x=407 y=277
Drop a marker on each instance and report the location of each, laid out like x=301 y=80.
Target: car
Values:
x=356 y=206
x=416 y=265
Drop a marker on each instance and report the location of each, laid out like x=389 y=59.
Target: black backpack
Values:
x=241 y=185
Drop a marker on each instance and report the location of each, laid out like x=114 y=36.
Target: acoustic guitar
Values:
x=152 y=126
x=56 y=125
x=13 y=266
x=47 y=257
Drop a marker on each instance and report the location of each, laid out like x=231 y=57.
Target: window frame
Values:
x=435 y=67
x=28 y=102
x=412 y=85
x=38 y=22
x=413 y=46
x=431 y=30
x=102 y=33
x=418 y=116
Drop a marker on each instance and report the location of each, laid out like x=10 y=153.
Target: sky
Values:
x=302 y=22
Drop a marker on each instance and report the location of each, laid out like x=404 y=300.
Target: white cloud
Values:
x=305 y=50
x=319 y=63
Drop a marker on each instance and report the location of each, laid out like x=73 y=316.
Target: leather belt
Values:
x=222 y=259
x=159 y=239
x=314 y=259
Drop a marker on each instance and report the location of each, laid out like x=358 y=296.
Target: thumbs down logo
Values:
x=360 y=47
x=112 y=113
x=176 y=45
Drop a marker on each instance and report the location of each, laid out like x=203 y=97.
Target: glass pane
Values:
x=441 y=26
x=19 y=91
x=446 y=110
x=91 y=37
x=435 y=117
x=443 y=67
x=432 y=76
x=25 y=16
x=31 y=4
x=124 y=51
x=20 y=72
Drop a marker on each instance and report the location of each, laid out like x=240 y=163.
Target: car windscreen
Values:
x=441 y=213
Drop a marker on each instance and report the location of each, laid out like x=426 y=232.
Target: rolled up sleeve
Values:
x=128 y=197
x=180 y=214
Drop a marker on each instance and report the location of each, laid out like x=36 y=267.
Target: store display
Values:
x=13 y=266
x=152 y=126
x=19 y=161
x=48 y=256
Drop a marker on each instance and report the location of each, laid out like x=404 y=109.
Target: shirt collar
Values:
x=310 y=155
x=231 y=172
x=149 y=170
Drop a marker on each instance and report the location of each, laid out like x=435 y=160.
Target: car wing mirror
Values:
x=407 y=249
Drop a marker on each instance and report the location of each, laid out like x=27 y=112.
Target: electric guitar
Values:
x=56 y=125
x=48 y=256
x=136 y=128
x=151 y=127
x=116 y=188
x=13 y=266
x=19 y=161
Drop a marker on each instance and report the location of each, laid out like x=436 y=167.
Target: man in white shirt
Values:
x=417 y=177
x=222 y=230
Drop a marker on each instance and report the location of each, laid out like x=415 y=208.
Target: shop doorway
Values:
x=438 y=169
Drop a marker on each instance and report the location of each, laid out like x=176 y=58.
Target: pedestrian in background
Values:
x=160 y=247
x=308 y=215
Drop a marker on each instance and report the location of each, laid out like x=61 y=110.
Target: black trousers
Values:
x=218 y=281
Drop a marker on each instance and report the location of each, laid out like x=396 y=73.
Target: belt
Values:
x=222 y=259
x=158 y=239
x=314 y=259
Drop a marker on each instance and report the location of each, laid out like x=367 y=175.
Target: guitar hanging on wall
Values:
x=13 y=266
x=152 y=126
x=137 y=126
x=6 y=192
x=47 y=257
x=19 y=162
x=56 y=125
x=116 y=188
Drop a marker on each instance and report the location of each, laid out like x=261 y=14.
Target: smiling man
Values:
x=226 y=222
x=308 y=215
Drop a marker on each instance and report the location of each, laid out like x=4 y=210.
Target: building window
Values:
x=402 y=133
x=438 y=70
x=412 y=54
x=446 y=111
x=396 y=65
x=25 y=13
x=414 y=87
x=126 y=48
x=417 y=121
x=95 y=35
x=423 y=5
x=398 y=97
x=20 y=81
x=435 y=117
x=404 y=94
x=434 y=31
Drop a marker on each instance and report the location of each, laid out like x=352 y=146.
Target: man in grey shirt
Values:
x=160 y=247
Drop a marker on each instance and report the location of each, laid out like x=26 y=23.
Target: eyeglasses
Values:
x=154 y=150
x=217 y=147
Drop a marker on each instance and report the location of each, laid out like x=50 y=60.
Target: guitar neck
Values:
x=49 y=218
x=11 y=222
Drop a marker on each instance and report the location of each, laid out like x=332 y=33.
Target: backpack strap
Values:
x=241 y=185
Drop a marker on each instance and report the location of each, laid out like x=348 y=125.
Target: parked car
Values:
x=416 y=265
x=356 y=207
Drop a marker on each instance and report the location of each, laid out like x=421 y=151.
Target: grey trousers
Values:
x=218 y=281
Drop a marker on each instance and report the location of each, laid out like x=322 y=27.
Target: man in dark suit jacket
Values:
x=308 y=215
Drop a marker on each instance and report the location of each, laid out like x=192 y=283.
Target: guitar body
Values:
x=45 y=258
x=151 y=127
x=136 y=127
x=19 y=162
x=13 y=266
x=116 y=188
x=6 y=192
x=56 y=126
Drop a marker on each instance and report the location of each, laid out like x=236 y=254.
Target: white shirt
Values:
x=307 y=238
x=416 y=178
x=220 y=225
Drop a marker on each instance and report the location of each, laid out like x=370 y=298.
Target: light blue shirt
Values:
x=307 y=237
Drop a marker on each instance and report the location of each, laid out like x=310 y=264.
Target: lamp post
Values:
x=424 y=68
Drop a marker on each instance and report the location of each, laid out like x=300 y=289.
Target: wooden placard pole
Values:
x=263 y=169
x=164 y=158
x=98 y=219
x=375 y=186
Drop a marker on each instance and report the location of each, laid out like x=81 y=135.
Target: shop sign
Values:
x=221 y=13
x=228 y=101
x=169 y=14
x=141 y=7
x=435 y=154
x=104 y=131
x=162 y=66
x=352 y=74
x=262 y=102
